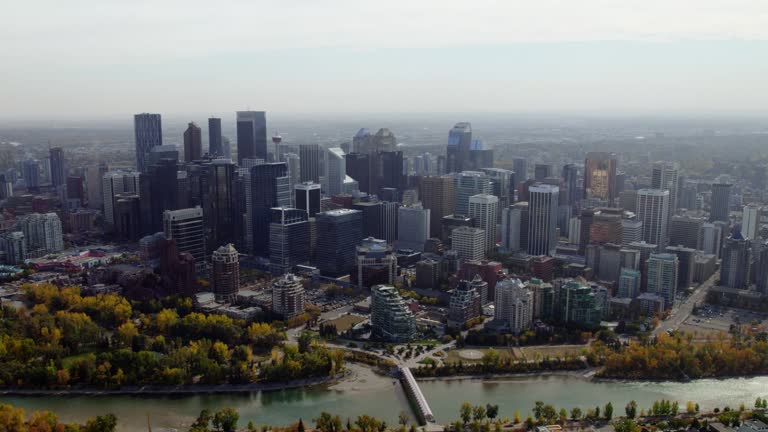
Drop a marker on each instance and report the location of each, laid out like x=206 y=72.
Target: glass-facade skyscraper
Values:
x=251 y=135
x=149 y=133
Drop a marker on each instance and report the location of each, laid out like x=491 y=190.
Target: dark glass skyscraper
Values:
x=215 y=147
x=149 y=133
x=193 y=143
x=570 y=176
x=268 y=186
x=721 y=200
x=159 y=191
x=338 y=234
x=289 y=239
x=459 y=142
x=251 y=135
x=58 y=167
x=222 y=219
x=308 y=197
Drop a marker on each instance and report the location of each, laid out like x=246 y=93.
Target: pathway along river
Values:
x=366 y=393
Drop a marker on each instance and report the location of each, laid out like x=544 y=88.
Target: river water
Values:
x=366 y=393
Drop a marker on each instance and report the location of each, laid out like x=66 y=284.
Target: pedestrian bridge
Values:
x=417 y=397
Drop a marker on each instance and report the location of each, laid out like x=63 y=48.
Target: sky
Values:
x=112 y=58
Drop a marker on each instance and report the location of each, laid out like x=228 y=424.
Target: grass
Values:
x=454 y=357
x=346 y=322
x=555 y=351
x=67 y=362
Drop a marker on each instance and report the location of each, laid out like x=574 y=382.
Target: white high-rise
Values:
x=468 y=242
x=750 y=221
x=412 y=227
x=42 y=233
x=542 y=219
x=467 y=184
x=336 y=171
x=631 y=231
x=653 y=211
x=510 y=229
x=484 y=210
x=665 y=176
x=662 y=277
x=514 y=304
x=114 y=183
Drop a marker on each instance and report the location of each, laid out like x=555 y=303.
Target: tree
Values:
x=758 y=403
x=516 y=417
x=305 y=341
x=563 y=415
x=492 y=411
x=690 y=408
x=328 y=423
x=203 y=420
x=625 y=425
x=105 y=423
x=478 y=413
x=537 y=409
x=403 y=418
x=575 y=413
x=597 y=412
x=300 y=427
x=466 y=412
x=631 y=409
x=226 y=419
x=608 y=411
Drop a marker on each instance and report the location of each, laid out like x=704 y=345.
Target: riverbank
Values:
x=198 y=389
x=588 y=373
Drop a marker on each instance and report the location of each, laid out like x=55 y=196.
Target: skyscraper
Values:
x=288 y=296
x=720 y=208
x=226 y=273
x=193 y=143
x=542 y=172
x=42 y=233
x=503 y=182
x=750 y=221
x=467 y=184
x=520 y=167
x=468 y=242
x=665 y=176
x=413 y=227
x=215 y=146
x=459 y=142
x=309 y=159
x=251 y=135
x=653 y=211
x=186 y=227
x=631 y=231
x=384 y=141
x=224 y=207
x=600 y=176
x=361 y=142
x=58 y=167
x=542 y=219
x=336 y=171
x=514 y=304
x=338 y=234
x=484 y=210
x=437 y=195
x=662 y=277
x=289 y=239
x=510 y=229
x=149 y=133
x=736 y=262
x=570 y=177
x=685 y=231
x=30 y=172
x=267 y=186
x=114 y=183
x=307 y=197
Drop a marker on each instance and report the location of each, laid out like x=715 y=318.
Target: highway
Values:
x=683 y=311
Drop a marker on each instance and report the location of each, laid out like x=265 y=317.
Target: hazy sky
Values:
x=113 y=58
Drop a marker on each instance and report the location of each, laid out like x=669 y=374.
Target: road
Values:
x=683 y=311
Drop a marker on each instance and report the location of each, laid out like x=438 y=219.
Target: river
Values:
x=366 y=393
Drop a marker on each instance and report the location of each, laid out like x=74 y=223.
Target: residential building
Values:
x=663 y=276
x=514 y=304
x=736 y=262
x=484 y=210
x=226 y=273
x=629 y=283
x=288 y=296
x=391 y=319
x=42 y=233
x=653 y=211
x=464 y=306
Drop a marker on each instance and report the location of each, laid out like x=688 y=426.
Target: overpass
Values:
x=423 y=412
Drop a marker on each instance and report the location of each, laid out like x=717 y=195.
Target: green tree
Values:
x=538 y=406
x=631 y=409
x=105 y=423
x=466 y=412
x=305 y=341
x=575 y=413
x=608 y=411
x=203 y=421
x=625 y=425
x=492 y=411
x=328 y=423
x=403 y=418
x=226 y=419
x=478 y=413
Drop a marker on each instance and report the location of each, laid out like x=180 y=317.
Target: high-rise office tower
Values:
x=215 y=145
x=413 y=227
x=294 y=168
x=631 y=231
x=58 y=167
x=570 y=183
x=720 y=208
x=288 y=296
x=750 y=221
x=149 y=133
x=226 y=273
x=376 y=264
x=338 y=234
x=480 y=156
x=251 y=135
x=711 y=236
x=113 y=184
x=94 y=177
x=459 y=142
x=653 y=211
x=223 y=205
x=665 y=176
x=437 y=194
x=187 y=228
x=514 y=304
x=736 y=262
x=606 y=227
x=685 y=231
x=193 y=143
x=686 y=260
x=503 y=182
x=159 y=189
x=362 y=141
x=600 y=176
x=42 y=232
x=389 y=225
x=289 y=239
x=468 y=242
x=361 y=167
x=389 y=171
x=156 y=154
x=307 y=197
x=689 y=196
x=662 y=277
x=336 y=171
x=542 y=172
x=309 y=158
x=542 y=219
x=372 y=217
x=510 y=229
x=383 y=141
x=267 y=186
x=30 y=172
x=520 y=167
x=467 y=184
x=484 y=210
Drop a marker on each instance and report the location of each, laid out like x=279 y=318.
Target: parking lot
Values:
x=711 y=320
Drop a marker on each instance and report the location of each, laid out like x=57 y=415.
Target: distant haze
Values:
x=85 y=58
